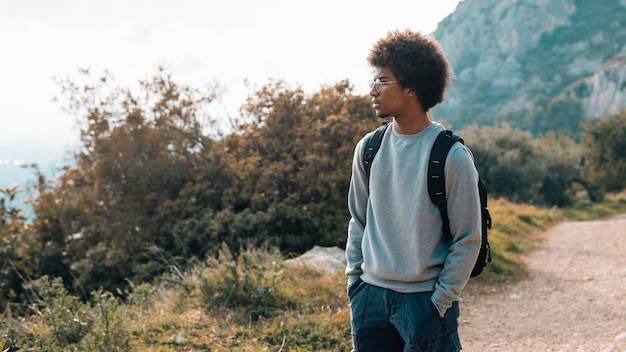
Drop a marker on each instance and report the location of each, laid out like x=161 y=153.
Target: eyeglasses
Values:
x=376 y=83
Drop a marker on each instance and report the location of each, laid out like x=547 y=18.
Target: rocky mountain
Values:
x=519 y=60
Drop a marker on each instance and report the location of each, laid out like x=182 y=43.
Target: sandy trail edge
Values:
x=574 y=299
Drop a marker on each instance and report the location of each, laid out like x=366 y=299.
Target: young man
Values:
x=404 y=276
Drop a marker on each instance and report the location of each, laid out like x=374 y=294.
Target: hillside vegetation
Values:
x=518 y=60
x=164 y=233
x=253 y=303
x=161 y=234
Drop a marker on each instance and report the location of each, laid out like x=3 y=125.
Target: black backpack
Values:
x=436 y=186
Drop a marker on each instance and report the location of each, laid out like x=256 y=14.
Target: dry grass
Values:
x=254 y=302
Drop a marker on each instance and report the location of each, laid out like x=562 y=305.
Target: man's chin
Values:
x=382 y=115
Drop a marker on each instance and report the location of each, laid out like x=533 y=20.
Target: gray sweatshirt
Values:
x=395 y=237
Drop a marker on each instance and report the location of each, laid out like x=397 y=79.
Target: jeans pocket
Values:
x=434 y=309
x=353 y=287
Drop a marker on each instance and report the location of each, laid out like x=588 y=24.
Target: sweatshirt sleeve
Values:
x=465 y=227
x=358 y=195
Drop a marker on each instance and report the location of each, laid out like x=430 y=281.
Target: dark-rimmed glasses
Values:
x=377 y=83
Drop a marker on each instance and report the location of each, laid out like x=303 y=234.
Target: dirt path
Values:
x=574 y=299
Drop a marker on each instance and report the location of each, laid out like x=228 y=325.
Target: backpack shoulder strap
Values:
x=436 y=175
x=372 y=146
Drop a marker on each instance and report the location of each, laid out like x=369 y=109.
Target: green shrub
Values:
x=63 y=322
x=252 y=281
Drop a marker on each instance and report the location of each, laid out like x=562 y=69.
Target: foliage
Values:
x=13 y=257
x=150 y=193
x=524 y=169
x=200 y=311
x=587 y=24
x=252 y=281
x=280 y=306
x=614 y=204
x=103 y=221
x=501 y=83
x=60 y=321
x=562 y=115
x=291 y=157
x=604 y=142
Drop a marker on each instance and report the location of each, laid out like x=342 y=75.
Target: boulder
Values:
x=326 y=258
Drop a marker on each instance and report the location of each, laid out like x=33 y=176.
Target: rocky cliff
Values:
x=604 y=92
x=514 y=57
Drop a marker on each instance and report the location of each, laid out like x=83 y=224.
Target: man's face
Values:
x=388 y=96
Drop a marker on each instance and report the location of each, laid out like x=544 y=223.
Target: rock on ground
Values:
x=326 y=258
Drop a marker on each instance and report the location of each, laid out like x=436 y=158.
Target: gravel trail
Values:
x=573 y=300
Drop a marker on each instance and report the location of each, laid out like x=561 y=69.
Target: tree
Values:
x=561 y=158
x=104 y=218
x=292 y=156
x=149 y=191
x=506 y=161
x=516 y=166
x=13 y=262
x=565 y=116
x=604 y=142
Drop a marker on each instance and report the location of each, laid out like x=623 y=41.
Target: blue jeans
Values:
x=385 y=320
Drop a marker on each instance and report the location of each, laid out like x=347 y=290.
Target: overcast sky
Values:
x=306 y=43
